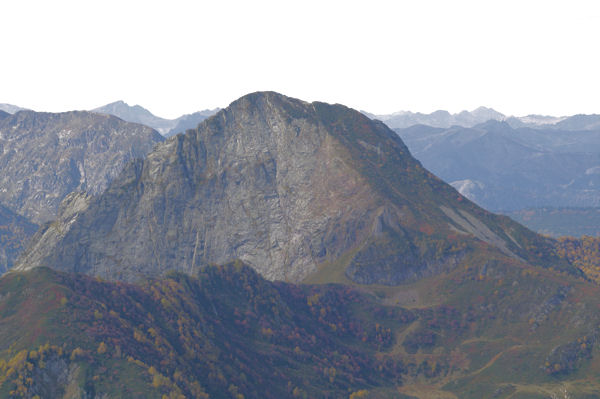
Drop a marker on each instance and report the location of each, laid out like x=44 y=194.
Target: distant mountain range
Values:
x=167 y=127
x=506 y=169
x=527 y=165
x=439 y=118
x=444 y=119
x=578 y=122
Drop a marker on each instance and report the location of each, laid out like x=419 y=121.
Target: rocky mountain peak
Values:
x=291 y=188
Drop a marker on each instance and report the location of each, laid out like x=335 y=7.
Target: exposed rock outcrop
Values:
x=15 y=232
x=45 y=156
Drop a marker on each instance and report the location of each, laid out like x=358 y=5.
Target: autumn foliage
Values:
x=583 y=253
x=224 y=334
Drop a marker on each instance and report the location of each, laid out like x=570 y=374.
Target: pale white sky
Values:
x=176 y=57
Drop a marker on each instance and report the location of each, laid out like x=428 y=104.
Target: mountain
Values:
x=502 y=168
x=295 y=190
x=15 y=232
x=444 y=119
x=11 y=109
x=190 y=121
x=45 y=156
x=533 y=121
x=579 y=122
x=138 y=114
x=404 y=119
x=479 y=115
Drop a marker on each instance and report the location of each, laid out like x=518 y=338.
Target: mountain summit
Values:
x=293 y=189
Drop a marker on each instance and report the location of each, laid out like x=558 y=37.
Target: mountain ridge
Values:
x=439 y=118
x=446 y=120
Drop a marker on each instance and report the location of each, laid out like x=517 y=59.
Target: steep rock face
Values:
x=15 y=232
x=283 y=185
x=45 y=156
